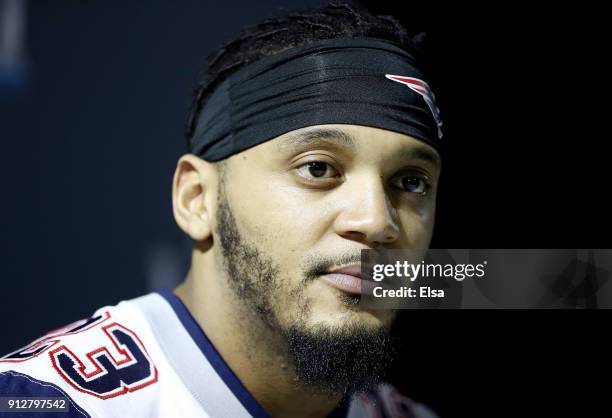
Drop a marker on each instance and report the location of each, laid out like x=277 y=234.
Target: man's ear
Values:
x=194 y=193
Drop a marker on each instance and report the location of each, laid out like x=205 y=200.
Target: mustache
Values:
x=316 y=264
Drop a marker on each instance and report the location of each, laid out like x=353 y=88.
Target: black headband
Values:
x=357 y=81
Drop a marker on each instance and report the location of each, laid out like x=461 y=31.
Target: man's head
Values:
x=281 y=214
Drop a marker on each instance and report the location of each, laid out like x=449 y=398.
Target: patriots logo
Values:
x=421 y=87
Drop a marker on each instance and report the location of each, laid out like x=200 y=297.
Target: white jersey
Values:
x=147 y=357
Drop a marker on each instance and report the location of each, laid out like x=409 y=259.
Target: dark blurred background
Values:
x=93 y=101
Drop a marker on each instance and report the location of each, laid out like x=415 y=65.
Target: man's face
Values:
x=309 y=201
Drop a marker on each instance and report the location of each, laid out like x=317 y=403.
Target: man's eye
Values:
x=317 y=169
x=413 y=184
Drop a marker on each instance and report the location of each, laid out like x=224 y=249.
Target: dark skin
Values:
x=298 y=196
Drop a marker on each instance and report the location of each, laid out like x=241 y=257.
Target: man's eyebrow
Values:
x=317 y=136
x=423 y=154
x=338 y=137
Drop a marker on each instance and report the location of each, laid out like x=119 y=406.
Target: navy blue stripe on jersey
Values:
x=213 y=356
x=14 y=384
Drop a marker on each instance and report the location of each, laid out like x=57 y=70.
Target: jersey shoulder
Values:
x=88 y=361
x=18 y=385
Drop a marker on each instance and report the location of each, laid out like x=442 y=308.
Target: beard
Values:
x=339 y=360
x=328 y=359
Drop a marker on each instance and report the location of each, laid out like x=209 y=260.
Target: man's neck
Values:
x=252 y=350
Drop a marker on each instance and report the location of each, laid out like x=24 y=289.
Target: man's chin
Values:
x=337 y=315
x=334 y=308
x=334 y=359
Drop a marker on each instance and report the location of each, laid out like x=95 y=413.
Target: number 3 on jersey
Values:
x=119 y=366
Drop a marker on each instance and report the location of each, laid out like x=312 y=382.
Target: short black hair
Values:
x=276 y=34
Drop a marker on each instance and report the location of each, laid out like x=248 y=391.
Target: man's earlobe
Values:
x=193 y=183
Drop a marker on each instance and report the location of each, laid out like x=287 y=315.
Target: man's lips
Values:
x=348 y=279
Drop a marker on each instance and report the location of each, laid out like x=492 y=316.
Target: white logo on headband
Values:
x=419 y=86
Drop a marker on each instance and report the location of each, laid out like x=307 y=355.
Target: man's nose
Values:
x=367 y=215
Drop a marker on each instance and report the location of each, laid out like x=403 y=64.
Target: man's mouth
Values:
x=348 y=279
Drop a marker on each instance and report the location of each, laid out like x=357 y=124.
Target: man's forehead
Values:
x=348 y=137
